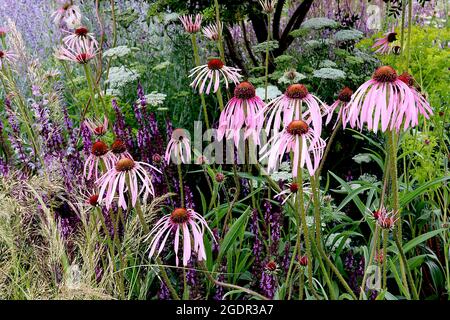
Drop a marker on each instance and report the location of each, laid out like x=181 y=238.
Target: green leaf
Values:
x=236 y=229
x=411 y=195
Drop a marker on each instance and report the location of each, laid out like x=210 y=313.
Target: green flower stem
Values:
x=229 y=285
x=220 y=99
x=87 y=71
x=197 y=63
x=385 y=244
x=301 y=283
x=328 y=147
x=410 y=13
x=269 y=17
x=301 y=214
x=371 y=256
x=166 y=279
x=219 y=40
x=180 y=181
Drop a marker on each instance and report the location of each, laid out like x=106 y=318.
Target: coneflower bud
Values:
x=396 y=50
x=379 y=257
x=156 y=158
x=220 y=177
x=293 y=187
x=271 y=267
x=93 y=200
x=303 y=261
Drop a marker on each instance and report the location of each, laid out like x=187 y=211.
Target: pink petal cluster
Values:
x=190 y=23
x=290 y=106
x=387 y=101
x=212 y=31
x=344 y=98
x=125 y=175
x=186 y=221
x=82 y=53
x=242 y=112
x=289 y=140
x=214 y=71
x=179 y=147
x=383 y=44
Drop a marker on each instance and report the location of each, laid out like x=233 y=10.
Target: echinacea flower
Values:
x=80 y=37
x=99 y=154
x=243 y=111
x=384 y=44
x=212 y=31
x=386 y=219
x=303 y=260
x=311 y=152
x=268 y=6
x=191 y=24
x=185 y=221
x=81 y=54
x=344 y=98
x=295 y=104
x=213 y=71
x=7 y=56
x=68 y=13
x=291 y=191
x=97 y=128
x=385 y=99
x=421 y=103
x=124 y=176
x=179 y=147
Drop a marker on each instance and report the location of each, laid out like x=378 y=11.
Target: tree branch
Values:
x=276 y=19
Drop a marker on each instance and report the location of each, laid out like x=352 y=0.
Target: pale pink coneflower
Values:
x=268 y=6
x=190 y=23
x=291 y=191
x=344 y=98
x=99 y=154
x=178 y=148
x=125 y=175
x=243 y=111
x=7 y=56
x=386 y=99
x=295 y=104
x=212 y=31
x=384 y=44
x=81 y=53
x=80 y=37
x=187 y=221
x=96 y=127
x=3 y=32
x=68 y=13
x=312 y=147
x=213 y=71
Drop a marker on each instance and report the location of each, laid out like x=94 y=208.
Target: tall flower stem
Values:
x=371 y=256
x=229 y=285
x=385 y=244
x=180 y=181
x=410 y=13
x=166 y=279
x=138 y=208
x=302 y=218
x=269 y=18
x=328 y=147
x=197 y=63
x=219 y=40
x=220 y=99
x=87 y=71
x=318 y=222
